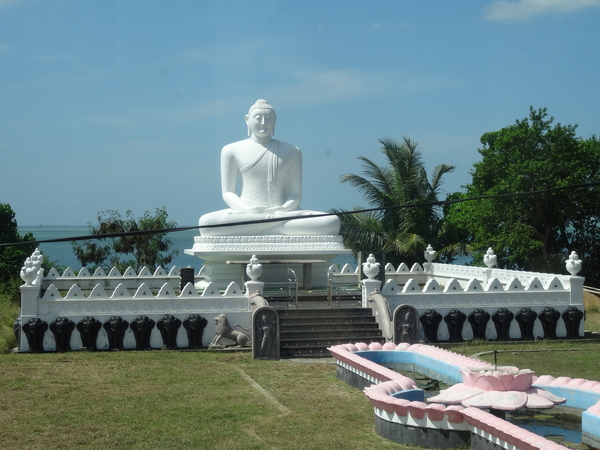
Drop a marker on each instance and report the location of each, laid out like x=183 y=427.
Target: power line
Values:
x=281 y=219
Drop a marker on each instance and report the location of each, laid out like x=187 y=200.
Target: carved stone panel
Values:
x=265 y=334
x=406 y=325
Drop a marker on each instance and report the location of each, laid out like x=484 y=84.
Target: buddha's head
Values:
x=261 y=119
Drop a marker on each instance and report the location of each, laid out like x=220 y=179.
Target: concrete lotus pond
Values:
x=401 y=413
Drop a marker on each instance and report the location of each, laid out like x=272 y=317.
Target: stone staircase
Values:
x=306 y=333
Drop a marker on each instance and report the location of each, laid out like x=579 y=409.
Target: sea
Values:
x=61 y=253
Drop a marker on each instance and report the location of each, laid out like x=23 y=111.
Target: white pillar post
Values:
x=368 y=287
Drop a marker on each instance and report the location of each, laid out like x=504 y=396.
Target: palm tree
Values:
x=401 y=232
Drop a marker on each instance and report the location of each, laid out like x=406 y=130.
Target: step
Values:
x=332 y=339
x=341 y=312
x=318 y=351
x=319 y=326
x=328 y=335
x=291 y=321
x=306 y=333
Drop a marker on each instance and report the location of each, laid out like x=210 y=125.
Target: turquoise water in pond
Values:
x=557 y=424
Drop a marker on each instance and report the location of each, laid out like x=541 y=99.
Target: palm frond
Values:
x=401 y=181
x=436 y=178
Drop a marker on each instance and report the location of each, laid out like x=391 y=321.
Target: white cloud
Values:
x=303 y=88
x=329 y=86
x=138 y=116
x=6 y=3
x=239 y=54
x=49 y=58
x=500 y=10
x=200 y=54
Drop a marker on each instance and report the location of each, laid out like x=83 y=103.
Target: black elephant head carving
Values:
x=62 y=328
x=34 y=330
x=88 y=328
x=478 y=320
x=194 y=327
x=168 y=326
x=526 y=320
x=115 y=328
x=572 y=317
x=502 y=319
x=142 y=329
x=549 y=319
x=430 y=320
x=455 y=320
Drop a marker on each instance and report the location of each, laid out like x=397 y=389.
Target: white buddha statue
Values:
x=271 y=175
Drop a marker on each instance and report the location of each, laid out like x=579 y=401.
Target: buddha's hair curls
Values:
x=260 y=104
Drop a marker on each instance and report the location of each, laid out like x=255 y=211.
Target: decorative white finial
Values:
x=254 y=268
x=371 y=267
x=37 y=259
x=29 y=272
x=573 y=264
x=489 y=258
x=429 y=254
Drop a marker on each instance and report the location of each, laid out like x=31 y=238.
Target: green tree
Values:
x=12 y=257
x=402 y=233
x=533 y=232
x=137 y=250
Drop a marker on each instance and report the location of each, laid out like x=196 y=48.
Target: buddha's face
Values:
x=261 y=122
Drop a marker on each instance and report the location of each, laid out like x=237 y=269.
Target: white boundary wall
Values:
x=129 y=295
x=444 y=287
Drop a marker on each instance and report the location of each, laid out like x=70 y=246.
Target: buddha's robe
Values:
x=268 y=181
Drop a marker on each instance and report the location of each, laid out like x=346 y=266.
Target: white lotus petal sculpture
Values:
x=505 y=389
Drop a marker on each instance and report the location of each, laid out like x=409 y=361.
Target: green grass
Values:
x=163 y=399
x=592 y=312
x=204 y=400
x=9 y=308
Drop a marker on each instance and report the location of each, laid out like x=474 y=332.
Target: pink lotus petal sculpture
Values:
x=505 y=389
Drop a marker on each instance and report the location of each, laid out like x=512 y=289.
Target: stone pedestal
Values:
x=305 y=255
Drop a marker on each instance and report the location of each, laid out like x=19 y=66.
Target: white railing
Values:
x=110 y=281
x=101 y=296
x=445 y=287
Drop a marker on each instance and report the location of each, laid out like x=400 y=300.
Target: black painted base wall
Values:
x=352 y=379
x=590 y=439
x=424 y=437
x=479 y=443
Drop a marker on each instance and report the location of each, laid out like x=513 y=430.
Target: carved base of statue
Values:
x=225 y=258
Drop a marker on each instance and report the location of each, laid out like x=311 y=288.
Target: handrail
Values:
x=257 y=301
x=295 y=282
x=381 y=311
x=330 y=285
x=291 y=284
x=591 y=290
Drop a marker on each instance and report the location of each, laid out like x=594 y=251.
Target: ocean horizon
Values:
x=61 y=253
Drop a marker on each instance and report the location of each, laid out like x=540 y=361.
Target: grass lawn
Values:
x=591 y=304
x=161 y=399
x=575 y=359
x=204 y=400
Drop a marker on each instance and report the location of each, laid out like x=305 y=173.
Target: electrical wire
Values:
x=280 y=219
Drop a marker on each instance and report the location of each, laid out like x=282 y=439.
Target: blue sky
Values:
x=126 y=104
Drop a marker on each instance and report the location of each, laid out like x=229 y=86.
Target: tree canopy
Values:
x=12 y=257
x=150 y=250
x=402 y=233
x=533 y=232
